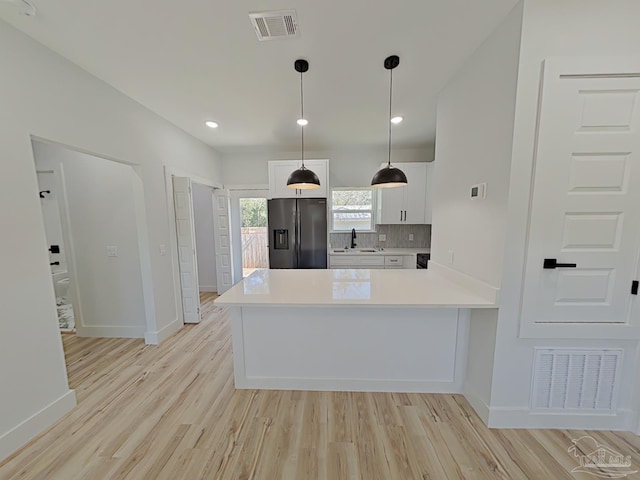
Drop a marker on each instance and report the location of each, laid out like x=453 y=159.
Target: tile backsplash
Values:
x=397 y=237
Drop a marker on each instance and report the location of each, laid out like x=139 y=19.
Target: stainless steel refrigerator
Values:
x=297 y=232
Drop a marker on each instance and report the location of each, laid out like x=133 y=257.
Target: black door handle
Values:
x=553 y=263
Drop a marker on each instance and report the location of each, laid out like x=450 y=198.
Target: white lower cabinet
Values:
x=393 y=261
x=342 y=261
x=370 y=262
x=367 y=261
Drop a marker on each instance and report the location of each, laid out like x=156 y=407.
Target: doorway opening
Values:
x=94 y=222
x=253 y=234
x=249 y=221
x=201 y=247
x=205 y=246
x=50 y=198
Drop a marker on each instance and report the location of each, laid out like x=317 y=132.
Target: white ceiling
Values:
x=192 y=60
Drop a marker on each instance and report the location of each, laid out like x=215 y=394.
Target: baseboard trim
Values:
x=208 y=288
x=346 y=385
x=484 y=289
x=110 y=331
x=503 y=417
x=477 y=403
x=23 y=433
x=156 y=338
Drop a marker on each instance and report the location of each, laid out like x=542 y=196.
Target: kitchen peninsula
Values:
x=353 y=329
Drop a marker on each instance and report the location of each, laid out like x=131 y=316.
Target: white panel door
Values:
x=185 y=234
x=222 y=232
x=586 y=196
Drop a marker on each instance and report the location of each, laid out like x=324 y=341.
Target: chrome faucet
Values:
x=353 y=238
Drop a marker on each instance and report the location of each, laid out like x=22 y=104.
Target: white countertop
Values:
x=361 y=287
x=384 y=251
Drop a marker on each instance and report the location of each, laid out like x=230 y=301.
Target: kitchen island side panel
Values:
x=350 y=348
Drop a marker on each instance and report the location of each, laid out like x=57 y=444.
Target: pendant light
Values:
x=390 y=176
x=302 y=178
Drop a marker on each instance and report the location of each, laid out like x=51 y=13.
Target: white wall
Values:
x=347 y=167
x=479 y=375
x=473 y=145
x=550 y=28
x=101 y=211
x=205 y=242
x=47 y=96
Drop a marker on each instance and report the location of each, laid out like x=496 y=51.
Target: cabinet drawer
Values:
x=343 y=260
x=393 y=260
x=371 y=260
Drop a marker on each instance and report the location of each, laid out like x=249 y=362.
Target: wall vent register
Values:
x=579 y=380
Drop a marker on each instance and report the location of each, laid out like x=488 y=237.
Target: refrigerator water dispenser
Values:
x=281 y=239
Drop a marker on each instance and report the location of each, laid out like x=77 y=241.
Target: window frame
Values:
x=374 y=197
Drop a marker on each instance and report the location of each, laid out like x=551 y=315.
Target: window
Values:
x=352 y=208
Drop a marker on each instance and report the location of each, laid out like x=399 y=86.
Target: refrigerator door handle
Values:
x=299 y=237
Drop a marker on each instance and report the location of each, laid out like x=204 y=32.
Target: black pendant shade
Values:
x=302 y=178
x=389 y=176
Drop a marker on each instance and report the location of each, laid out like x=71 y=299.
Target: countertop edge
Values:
x=389 y=251
x=359 y=305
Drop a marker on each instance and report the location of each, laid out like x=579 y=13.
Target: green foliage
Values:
x=253 y=212
x=351 y=199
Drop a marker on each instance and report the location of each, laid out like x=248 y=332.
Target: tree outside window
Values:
x=352 y=208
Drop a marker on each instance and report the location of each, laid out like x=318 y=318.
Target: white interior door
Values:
x=222 y=229
x=586 y=195
x=186 y=240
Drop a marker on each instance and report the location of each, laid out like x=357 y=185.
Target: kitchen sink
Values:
x=366 y=250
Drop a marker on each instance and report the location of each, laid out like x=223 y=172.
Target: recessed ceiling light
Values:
x=211 y=124
x=396 y=120
x=302 y=122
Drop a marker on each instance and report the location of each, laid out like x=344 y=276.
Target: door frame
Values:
x=142 y=234
x=169 y=173
x=235 y=193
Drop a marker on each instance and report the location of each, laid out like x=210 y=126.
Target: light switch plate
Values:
x=411 y=237
x=163 y=250
x=382 y=237
x=112 y=251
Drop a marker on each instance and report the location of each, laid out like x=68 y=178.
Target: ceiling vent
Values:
x=278 y=24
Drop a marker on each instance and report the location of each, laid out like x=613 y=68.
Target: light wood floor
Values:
x=171 y=412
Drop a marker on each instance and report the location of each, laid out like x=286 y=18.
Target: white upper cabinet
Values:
x=279 y=171
x=405 y=205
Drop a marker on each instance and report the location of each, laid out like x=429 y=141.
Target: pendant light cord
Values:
x=302 y=116
x=390 y=95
